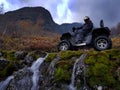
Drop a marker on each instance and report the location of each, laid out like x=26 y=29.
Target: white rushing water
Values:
x=51 y=68
x=4 y=84
x=72 y=86
x=99 y=88
x=22 y=83
x=36 y=72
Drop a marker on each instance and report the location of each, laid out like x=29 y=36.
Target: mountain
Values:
x=67 y=27
x=26 y=20
x=31 y=21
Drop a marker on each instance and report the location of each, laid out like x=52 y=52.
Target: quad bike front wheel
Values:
x=64 y=45
x=102 y=43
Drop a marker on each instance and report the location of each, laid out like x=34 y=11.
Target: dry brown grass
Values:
x=116 y=42
x=29 y=43
x=42 y=43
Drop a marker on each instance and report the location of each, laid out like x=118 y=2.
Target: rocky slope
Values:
x=62 y=71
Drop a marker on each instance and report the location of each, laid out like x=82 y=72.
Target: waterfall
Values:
x=24 y=79
x=80 y=59
x=51 y=68
x=36 y=72
x=4 y=84
x=99 y=88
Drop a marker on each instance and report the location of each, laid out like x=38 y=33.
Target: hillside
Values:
x=27 y=21
x=60 y=71
x=31 y=21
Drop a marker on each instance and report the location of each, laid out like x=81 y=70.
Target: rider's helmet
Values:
x=86 y=18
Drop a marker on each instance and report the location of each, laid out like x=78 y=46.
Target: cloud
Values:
x=108 y=10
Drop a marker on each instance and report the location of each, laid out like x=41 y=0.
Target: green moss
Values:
x=8 y=70
x=117 y=86
x=62 y=75
x=101 y=70
x=114 y=54
x=3 y=73
x=33 y=55
x=118 y=74
x=66 y=64
x=10 y=56
x=97 y=57
x=50 y=57
x=101 y=74
x=90 y=60
x=69 y=54
x=4 y=53
x=64 y=70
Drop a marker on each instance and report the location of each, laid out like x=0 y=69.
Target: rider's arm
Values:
x=79 y=27
x=88 y=26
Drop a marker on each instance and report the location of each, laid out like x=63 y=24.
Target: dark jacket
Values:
x=87 y=27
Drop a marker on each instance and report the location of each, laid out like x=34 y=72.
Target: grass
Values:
x=116 y=42
x=29 y=43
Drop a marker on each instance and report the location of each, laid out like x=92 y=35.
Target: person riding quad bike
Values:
x=86 y=36
x=83 y=30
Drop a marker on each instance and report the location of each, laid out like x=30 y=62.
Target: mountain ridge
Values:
x=37 y=18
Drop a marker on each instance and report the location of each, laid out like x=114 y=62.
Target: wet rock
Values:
x=22 y=73
x=0 y=53
x=3 y=63
x=60 y=86
x=18 y=65
x=22 y=80
x=28 y=60
x=20 y=55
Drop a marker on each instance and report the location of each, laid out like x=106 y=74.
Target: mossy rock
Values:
x=114 y=54
x=9 y=55
x=19 y=55
x=4 y=53
x=100 y=74
x=8 y=70
x=101 y=67
x=50 y=57
x=69 y=54
x=66 y=64
x=34 y=55
x=62 y=75
x=64 y=70
x=117 y=86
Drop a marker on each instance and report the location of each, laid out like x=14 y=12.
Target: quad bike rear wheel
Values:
x=102 y=43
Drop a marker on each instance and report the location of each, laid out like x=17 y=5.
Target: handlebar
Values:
x=74 y=29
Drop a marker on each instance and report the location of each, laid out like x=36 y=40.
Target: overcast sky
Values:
x=68 y=11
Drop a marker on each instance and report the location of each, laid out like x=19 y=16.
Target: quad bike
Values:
x=98 y=39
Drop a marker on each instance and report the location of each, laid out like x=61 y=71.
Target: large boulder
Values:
x=22 y=80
